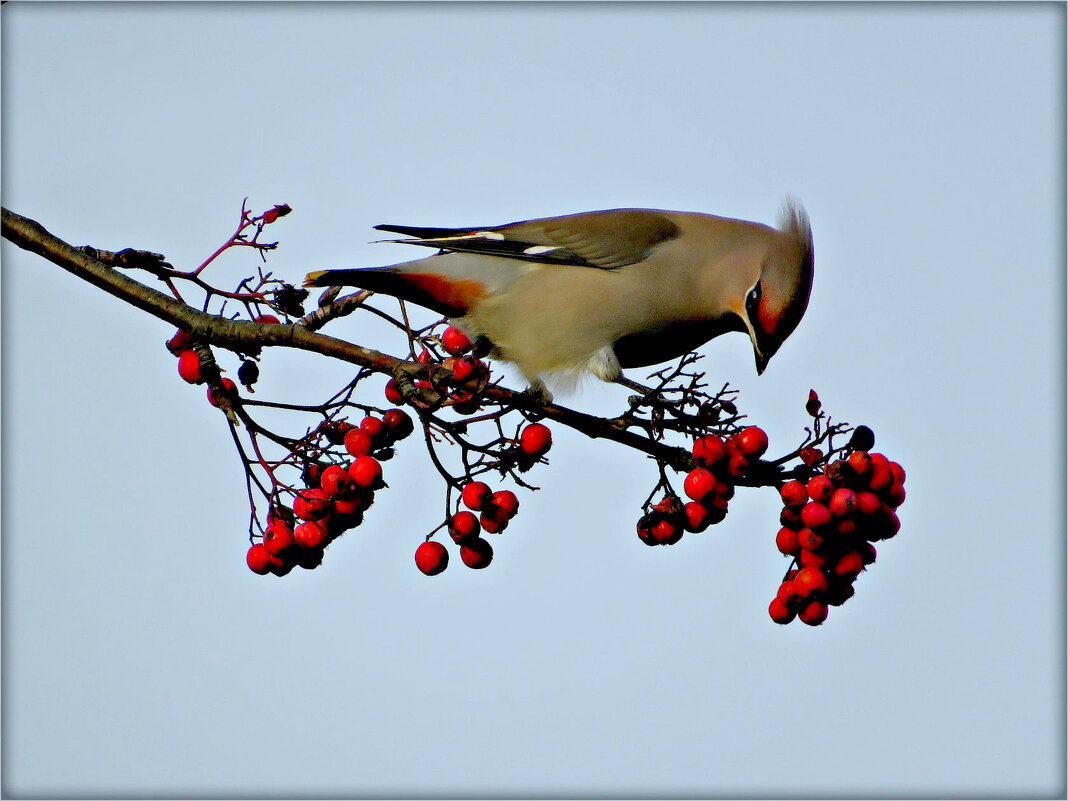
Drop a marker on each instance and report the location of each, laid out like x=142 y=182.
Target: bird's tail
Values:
x=447 y=295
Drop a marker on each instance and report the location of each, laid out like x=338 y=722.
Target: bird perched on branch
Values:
x=605 y=290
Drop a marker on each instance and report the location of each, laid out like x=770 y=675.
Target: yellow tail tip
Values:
x=312 y=279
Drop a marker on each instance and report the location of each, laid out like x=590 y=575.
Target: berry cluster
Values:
x=467 y=376
x=828 y=527
x=710 y=486
x=496 y=510
x=334 y=498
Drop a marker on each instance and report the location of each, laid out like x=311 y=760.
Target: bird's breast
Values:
x=671 y=340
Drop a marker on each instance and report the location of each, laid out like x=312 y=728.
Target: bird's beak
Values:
x=761 y=361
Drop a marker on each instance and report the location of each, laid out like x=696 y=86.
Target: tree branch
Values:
x=249 y=337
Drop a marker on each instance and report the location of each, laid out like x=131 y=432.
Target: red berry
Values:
x=843 y=502
x=258 y=559
x=189 y=367
x=373 y=426
x=860 y=461
x=431 y=558
x=779 y=612
x=794 y=494
x=850 y=564
x=335 y=480
x=665 y=532
x=895 y=495
x=475 y=494
x=815 y=515
x=536 y=439
x=737 y=464
x=181 y=341
x=462 y=369
x=787 y=592
x=358 y=442
x=455 y=341
x=277 y=538
x=228 y=388
x=806 y=557
x=786 y=541
x=867 y=553
x=791 y=518
x=366 y=472
x=839 y=593
x=463 y=526
x=846 y=526
x=645 y=529
x=709 y=450
x=753 y=442
x=868 y=503
x=898 y=472
x=311 y=504
x=813 y=614
x=812 y=406
x=266 y=319
x=507 y=502
x=476 y=553
x=820 y=489
x=398 y=423
x=699 y=483
x=311 y=534
x=881 y=475
x=493 y=523
x=393 y=394
x=698 y=517
x=354 y=501
x=807 y=538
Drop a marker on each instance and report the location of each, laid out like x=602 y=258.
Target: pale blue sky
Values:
x=142 y=658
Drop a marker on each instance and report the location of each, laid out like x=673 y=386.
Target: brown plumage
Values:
x=603 y=290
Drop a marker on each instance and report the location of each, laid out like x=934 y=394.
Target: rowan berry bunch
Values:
x=828 y=526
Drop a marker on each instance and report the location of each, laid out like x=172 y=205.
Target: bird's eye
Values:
x=753 y=298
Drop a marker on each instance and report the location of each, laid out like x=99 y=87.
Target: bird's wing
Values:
x=604 y=239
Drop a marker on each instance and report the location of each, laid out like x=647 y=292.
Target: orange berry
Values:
x=794 y=494
x=843 y=502
x=820 y=489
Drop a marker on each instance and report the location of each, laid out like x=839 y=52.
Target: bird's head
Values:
x=776 y=302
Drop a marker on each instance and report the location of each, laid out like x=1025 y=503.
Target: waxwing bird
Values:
x=605 y=290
